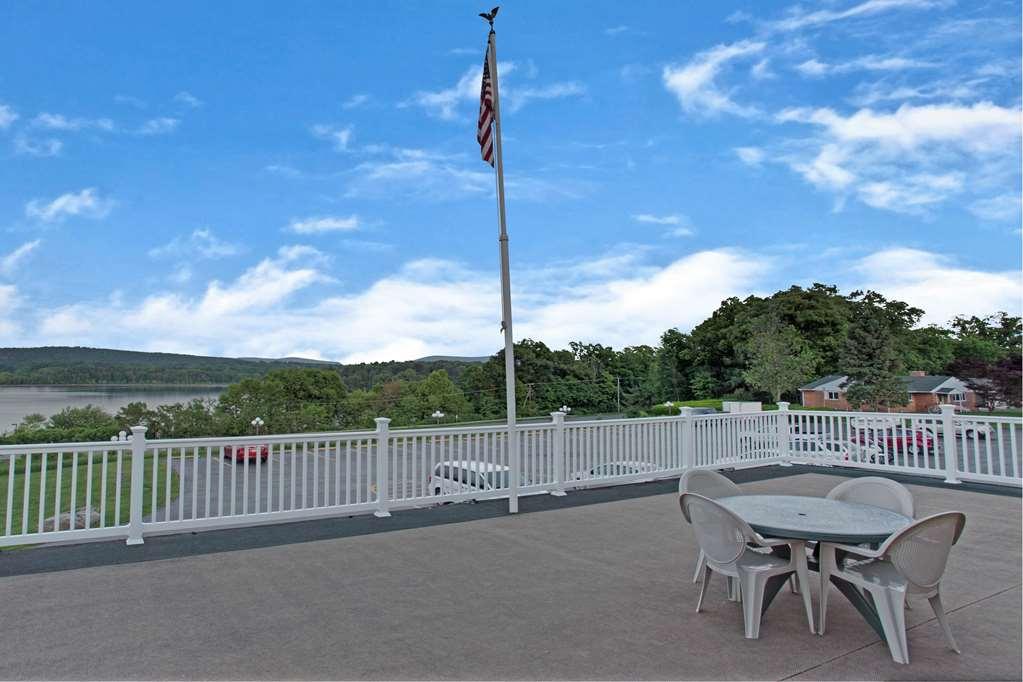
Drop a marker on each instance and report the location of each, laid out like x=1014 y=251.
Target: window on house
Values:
x=958 y=397
x=831 y=395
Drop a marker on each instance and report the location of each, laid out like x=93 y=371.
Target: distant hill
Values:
x=454 y=358
x=81 y=365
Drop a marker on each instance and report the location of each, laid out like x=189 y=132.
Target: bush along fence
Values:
x=132 y=486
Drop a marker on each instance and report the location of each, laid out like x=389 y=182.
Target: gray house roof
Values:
x=931 y=383
x=817 y=383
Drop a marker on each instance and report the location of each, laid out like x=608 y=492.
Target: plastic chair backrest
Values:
x=920 y=551
x=708 y=483
x=721 y=534
x=875 y=491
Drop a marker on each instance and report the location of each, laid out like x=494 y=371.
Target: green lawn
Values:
x=61 y=467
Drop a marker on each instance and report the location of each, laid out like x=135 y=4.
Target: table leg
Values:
x=825 y=564
x=771 y=588
x=863 y=603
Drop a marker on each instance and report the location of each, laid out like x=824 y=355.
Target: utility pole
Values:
x=619 y=380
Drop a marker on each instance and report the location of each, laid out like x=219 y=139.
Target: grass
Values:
x=102 y=498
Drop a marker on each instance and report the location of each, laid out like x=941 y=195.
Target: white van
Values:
x=463 y=476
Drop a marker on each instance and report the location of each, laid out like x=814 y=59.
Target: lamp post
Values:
x=669 y=405
x=438 y=415
x=256 y=423
x=566 y=409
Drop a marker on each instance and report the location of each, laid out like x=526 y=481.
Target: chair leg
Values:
x=734 y=593
x=891 y=610
x=703 y=587
x=793 y=584
x=803 y=576
x=752 y=587
x=700 y=563
x=939 y=612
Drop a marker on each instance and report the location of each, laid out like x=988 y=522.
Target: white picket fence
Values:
x=137 y=487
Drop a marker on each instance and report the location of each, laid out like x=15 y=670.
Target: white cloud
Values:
x=188 y=99
x=616 y=30
x=799 y=18
x=658 y=220
x=87 y=203
x=321 y=224
x=339 y=136
x=201 y=243
x=762 y=70
x=48 y=121
x=444 y=104
x=982 y=127
x=26 y=146
x=10 y=262
x=1001 y=208
x=355 y=101
x=938 y=285
x=694 y=83
x=9 y=302
x=7 y=116
x=908 y=159
x=813 y=67
x=751 y=156
x=158 y=126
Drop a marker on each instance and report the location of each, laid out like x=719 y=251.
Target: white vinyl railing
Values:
x=133 y=487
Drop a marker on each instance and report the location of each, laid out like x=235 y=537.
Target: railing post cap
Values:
x=783 y=405
x=948 y=409
x=382 y=421
x=138 y=430
x=685 y=411
x=558 y=414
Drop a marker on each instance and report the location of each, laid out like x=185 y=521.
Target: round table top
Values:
x=815 y=518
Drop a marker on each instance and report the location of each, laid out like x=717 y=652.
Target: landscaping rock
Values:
x=65 y=521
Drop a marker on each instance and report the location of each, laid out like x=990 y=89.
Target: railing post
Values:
x=382 y=468
x=559 y=453
x=688 y=438
x=949 y=443
x=784 y=434
x=138 y=467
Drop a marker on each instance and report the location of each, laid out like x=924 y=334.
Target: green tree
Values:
x=779 y=359
x=870 y=360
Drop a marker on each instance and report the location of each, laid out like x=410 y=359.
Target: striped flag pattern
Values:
x=484 y=129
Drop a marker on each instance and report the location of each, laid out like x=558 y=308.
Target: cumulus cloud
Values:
x=10 y=262
x=1001 y=208
x=86 y=204
x=355 y=101
x=200 y=243
x=7 y=116
x=938 y=285
x=695 y=85
x=751 y=156
x=321 y=224
x=188 y=99
x=445 y=103
x=48 y=121
x=159 y=126
x=27 y=146
x=339 y=136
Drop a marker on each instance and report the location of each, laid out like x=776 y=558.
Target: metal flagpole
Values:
x=506 y=309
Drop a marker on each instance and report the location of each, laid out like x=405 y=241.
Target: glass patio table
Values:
x=824 y=521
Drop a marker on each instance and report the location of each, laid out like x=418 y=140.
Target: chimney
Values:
x=918 y=373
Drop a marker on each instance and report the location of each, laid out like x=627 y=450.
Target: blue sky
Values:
x=269 y=179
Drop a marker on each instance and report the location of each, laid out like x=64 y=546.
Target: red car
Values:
x=246 y=453
x=894 y=440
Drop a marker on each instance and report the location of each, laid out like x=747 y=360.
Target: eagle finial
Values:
x=489 y=16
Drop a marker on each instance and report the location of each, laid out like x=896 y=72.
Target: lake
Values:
x=16 y=402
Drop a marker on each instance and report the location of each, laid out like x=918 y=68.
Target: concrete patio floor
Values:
x=597 y=591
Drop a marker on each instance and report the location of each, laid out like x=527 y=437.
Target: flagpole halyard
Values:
x=506 y=308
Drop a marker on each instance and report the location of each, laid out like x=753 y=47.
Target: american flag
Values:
x=484 y=130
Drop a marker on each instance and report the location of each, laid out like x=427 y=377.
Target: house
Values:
x=925 y=392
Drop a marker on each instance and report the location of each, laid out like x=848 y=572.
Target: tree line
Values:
x=756 y=348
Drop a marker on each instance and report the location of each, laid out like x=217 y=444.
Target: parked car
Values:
x=463 y=476
x=893 y=439
x=696 y=411
x=965 y=428
x=621 y=468
x=246 y=453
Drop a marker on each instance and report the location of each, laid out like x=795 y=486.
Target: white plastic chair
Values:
x=875 y=491
x=724 y=539
x=711 y=485
x=911 y=561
